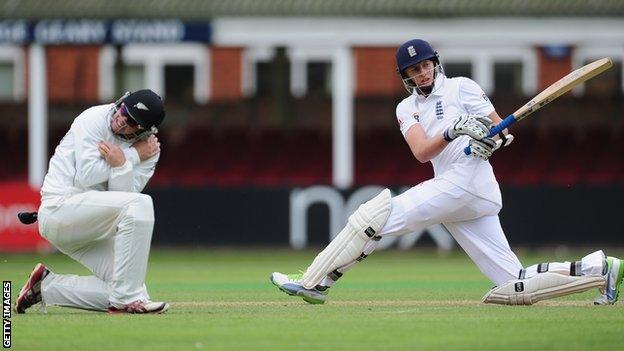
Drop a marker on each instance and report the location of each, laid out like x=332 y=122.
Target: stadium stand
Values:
x=567 y=147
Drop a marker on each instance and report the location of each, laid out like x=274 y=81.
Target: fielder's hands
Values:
x=476 y=127
x=485 y=147
x=147 y=148
x=112 y=154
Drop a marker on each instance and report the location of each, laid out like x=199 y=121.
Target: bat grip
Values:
x=509 y=120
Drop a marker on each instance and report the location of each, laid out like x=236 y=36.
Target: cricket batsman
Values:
x=438 y=119
x=93 y=211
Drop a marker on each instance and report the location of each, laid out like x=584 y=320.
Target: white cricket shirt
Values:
x=77 y=165
x=451 y=98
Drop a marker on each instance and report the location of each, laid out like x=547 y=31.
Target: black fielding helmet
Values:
x=145 y=107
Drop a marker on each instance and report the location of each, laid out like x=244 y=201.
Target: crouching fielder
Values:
x=93 y=211
x=437 y=120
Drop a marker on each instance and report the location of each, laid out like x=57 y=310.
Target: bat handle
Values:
x=509 y=120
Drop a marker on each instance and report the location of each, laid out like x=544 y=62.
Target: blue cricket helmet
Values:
x=413 y=52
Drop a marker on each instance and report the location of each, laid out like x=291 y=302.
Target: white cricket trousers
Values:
x=109 y=232
x=471 y=220
x=474 y=224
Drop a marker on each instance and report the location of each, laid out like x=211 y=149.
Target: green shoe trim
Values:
x=295 y=277
x=620 y=274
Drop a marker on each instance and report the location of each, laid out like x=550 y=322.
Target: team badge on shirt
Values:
x=439 y=110
x=484 y=97
x=416 y=116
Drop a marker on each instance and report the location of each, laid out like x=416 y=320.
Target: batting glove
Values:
x=485 y=147
x=476 y=127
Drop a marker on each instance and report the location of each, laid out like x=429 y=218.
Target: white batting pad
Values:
x=542 y=286
x=361 y=227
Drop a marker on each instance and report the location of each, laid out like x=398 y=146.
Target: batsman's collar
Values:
x=439 y=86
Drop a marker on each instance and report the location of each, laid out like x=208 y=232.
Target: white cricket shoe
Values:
x=291 y=285
x=615 y=272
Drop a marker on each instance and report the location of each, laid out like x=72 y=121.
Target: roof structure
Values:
x=207 y=9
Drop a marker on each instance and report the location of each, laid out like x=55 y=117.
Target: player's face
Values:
x=123 y=124
x=421 y=73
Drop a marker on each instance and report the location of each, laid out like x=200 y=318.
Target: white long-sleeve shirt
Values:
x=451 y=98
x=77 y=165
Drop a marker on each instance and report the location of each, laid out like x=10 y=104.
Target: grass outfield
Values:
x=223 y=300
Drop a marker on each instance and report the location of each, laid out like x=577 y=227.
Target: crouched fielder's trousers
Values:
x=108 y=232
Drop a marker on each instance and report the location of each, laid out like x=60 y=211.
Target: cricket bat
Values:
x=554 y=91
